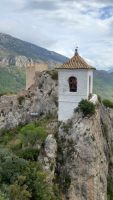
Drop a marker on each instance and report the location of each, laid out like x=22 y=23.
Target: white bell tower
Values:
x=75 y=80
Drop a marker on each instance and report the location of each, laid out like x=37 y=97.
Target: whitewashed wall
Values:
x=90 y=90
x=68 y=101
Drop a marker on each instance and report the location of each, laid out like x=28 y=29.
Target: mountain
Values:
x=11 y=46
x=103 y=84
x=15 y=54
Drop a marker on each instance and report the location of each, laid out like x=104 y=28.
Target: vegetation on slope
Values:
x=21 y=174
x=108 y=103
x=12 y=79
x=103 y=84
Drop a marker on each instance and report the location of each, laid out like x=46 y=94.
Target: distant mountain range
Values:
x=15 y=53
x=11 y=46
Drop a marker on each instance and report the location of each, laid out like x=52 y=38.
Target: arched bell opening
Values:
x=73 y=84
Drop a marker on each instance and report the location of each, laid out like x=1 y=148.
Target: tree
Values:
x=19 y=190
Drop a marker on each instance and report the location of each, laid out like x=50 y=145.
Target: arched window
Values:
x=73 y=84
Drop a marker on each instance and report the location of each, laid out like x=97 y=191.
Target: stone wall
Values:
x=31 y=69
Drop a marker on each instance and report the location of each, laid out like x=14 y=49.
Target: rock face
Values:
x=17 y=61
x=84 y=149
x=48 y=158
x=29 y=105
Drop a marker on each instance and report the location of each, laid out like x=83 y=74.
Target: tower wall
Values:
x=68 y=101
x=30 y=76
x=31 y=69
x=40 y=67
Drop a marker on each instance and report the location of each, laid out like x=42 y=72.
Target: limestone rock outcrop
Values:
x=29 y=105
x=84 y=151
x=48 y=158
x=17 y=61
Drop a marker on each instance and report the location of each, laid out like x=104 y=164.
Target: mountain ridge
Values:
x=10 y=45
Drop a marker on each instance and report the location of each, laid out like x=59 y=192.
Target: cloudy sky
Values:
x=61 y=25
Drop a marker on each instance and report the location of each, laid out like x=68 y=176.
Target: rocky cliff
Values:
x=29 y=105
x=81 y=156
x=77 y=154
x=84 y=155
x=17 y=61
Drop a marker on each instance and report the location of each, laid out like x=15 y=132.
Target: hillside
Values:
x=11 y=46
x=12 y=79
x=15 y=54
x=103 y=84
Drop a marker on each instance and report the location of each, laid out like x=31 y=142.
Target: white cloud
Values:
x=60 y=25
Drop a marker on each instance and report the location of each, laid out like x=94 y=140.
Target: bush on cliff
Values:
x=32 y=134
x=2 y=196
x=21 y=174
x=87 y=107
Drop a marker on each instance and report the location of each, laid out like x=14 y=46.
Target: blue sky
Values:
x=60 y=25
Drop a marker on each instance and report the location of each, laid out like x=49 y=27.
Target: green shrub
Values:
x=10 y=166
x=43 y=188
x=87 y=107
x=110 y=188
x=37 y=181
x=28 y=154
x=19 y=190
x=31 y=134
x=15 y=144
x=2 y=196
x=108 y=103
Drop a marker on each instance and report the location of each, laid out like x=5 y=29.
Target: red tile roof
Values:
x=76 y=62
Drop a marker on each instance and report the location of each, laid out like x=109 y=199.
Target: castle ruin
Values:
x=31 y=70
